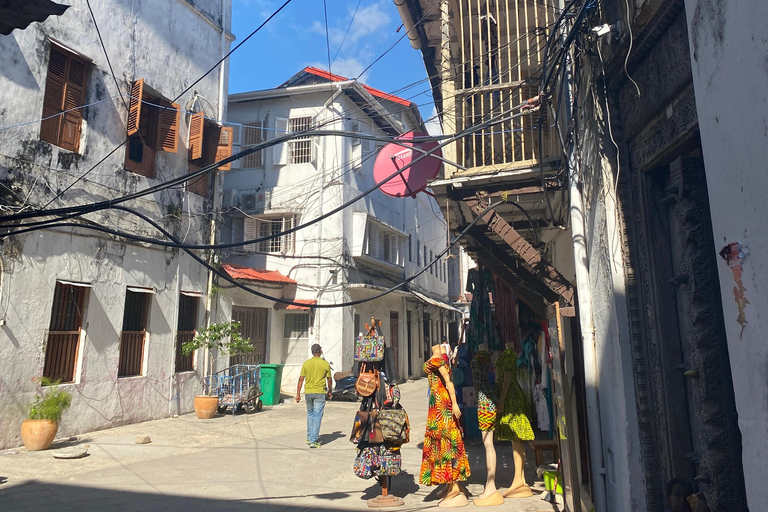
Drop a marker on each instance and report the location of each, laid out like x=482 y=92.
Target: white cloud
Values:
x=369 y=20
x=349 y=67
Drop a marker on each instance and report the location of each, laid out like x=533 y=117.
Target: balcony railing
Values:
x=61 y=355
x=131 y=353
x=497 y=66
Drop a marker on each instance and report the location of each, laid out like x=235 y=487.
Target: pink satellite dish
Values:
x=412 y=180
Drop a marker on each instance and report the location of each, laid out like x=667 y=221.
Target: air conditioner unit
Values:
x=228 y=198
x=249 y=202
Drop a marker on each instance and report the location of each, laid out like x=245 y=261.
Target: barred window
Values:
x=300 y=149
x=283 y=244
x=296 y=326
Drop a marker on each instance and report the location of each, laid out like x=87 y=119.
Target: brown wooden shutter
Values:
x=198 y=185
x=224 y=148
x=196 y=128
x=134 y=106
x=55 y=85
x=74 y=96
x=168 y=128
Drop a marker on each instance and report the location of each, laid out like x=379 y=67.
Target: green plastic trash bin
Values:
x=271 y=376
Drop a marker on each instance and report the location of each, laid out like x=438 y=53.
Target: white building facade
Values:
x=104 y=314
x=353 y=255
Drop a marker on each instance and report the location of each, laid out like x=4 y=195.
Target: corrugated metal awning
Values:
x=433 y=302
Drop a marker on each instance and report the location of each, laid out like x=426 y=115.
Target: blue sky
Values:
x=296 y=38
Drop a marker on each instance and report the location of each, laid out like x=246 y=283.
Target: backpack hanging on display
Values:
x=367 y=462
x=395 y=427
x=389 y=461
x=367 y=380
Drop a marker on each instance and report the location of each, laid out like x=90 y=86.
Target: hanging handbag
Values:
x=389 y=462
x=395 y=427
x=375 y=434
x=369 y=348
x=367 y=462
x=367 y=380
x=359 y=427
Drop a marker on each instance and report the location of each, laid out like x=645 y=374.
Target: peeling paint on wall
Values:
x=735 y=254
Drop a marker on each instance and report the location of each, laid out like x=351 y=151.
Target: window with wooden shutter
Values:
x=168 y=128
x=134 y=106
x=64 y=331
x=200 y=184
x=65 y=90
x=224 y=147
x=196 y=125
x=185 y=330
x=152 y=126
x=252 y=134
x=250 y=232
x=133 y=335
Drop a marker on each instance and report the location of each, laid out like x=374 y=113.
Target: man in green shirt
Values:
x=317 y=373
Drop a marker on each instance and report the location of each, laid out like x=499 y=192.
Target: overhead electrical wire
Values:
x=112 y=204
x=223 y=275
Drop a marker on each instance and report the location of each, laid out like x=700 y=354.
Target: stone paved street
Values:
x=242 y=462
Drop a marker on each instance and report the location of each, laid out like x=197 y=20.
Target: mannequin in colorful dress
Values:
x=512 y=419
x=444 y=460
x=486 y=417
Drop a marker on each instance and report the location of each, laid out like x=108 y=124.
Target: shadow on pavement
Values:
x=327 y=438
x=46 y=496
x=400 y=485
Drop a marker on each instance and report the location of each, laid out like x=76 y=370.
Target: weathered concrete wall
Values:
x=615 y=380
x=728 y=51
x=170 y=45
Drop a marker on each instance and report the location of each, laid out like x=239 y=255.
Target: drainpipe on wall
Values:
x=215 y=191
x=578 y=235
x=408 y=25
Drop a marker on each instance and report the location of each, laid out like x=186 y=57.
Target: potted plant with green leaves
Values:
x=225 y=338
x=39 y=430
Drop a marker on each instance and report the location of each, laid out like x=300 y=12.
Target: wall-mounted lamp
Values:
x=606 y=29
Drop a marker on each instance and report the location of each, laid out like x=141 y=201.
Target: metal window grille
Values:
x=283 y=244
x=134 y=332
x=296 y=326
x=185 y=331
x=64 y=332
x=300 y=148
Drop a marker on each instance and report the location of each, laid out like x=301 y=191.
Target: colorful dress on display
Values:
x=486 y=398
x=513 y=422
x=444 y=459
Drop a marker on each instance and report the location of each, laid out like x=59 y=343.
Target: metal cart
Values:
x=238 y=386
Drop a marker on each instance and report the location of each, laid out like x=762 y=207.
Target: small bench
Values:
x=539 y=447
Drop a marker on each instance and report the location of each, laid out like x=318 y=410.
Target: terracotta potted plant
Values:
x=39 y=430
x=226 y=339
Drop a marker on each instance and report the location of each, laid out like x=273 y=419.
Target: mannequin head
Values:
x=483 y=347
x=509 y=346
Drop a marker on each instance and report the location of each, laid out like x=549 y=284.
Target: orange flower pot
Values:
x=205 y=406
x=38 y=434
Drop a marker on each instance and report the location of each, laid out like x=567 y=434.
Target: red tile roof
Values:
x=256 y=274
x=308 y=302
x=374 y=92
